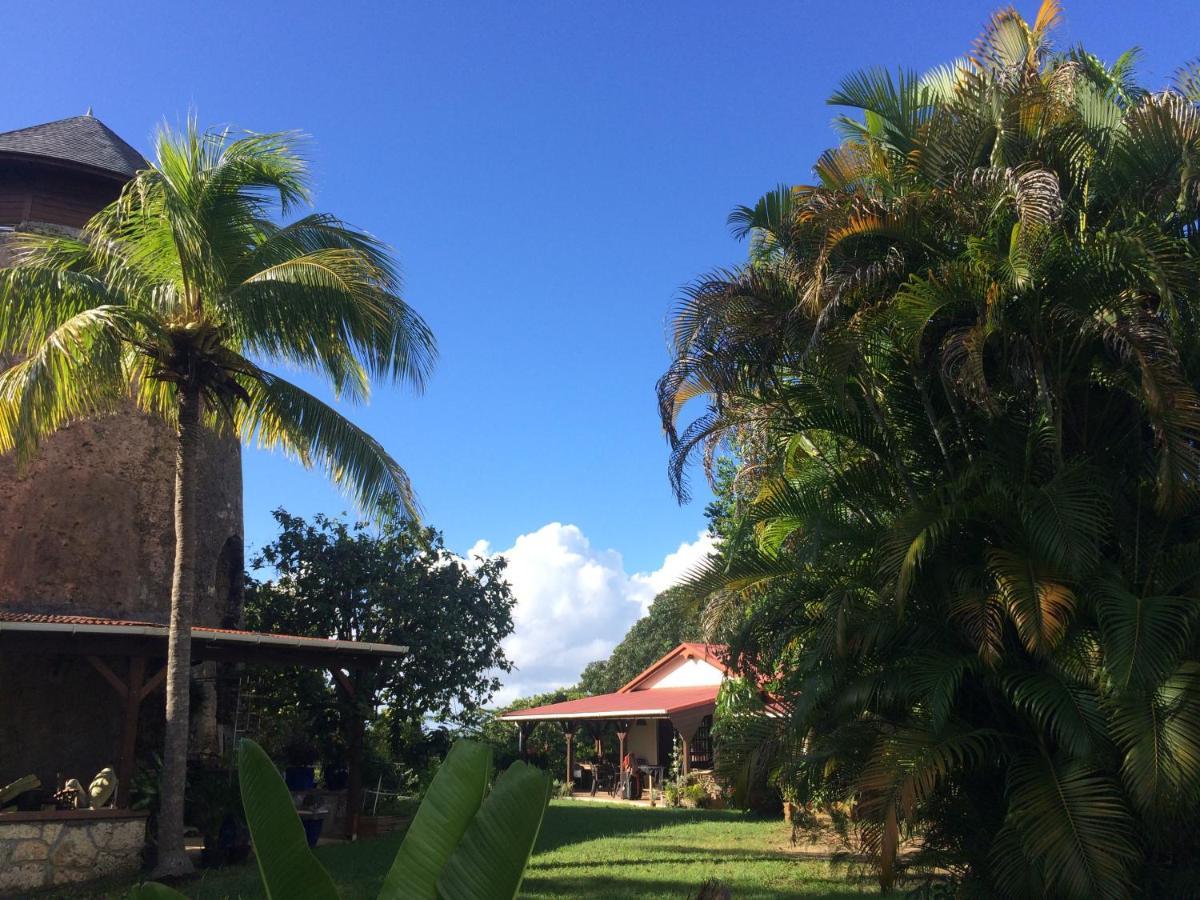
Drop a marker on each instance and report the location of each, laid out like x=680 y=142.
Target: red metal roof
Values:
x=654 y=702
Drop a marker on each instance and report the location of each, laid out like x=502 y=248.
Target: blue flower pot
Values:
x=312 y=830
x=299 y=778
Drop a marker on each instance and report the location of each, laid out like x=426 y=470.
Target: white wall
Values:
x=685 y=673
x=642 y=741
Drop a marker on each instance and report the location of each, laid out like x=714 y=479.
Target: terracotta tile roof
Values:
x=82 y=140
x=40 y=619
x=97 y=622
x=648 y=703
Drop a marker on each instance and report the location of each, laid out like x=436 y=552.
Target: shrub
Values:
x=695 y=796
x=672 y=794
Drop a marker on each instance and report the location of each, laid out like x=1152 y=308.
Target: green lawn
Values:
x=604 y=851
x=610 y=851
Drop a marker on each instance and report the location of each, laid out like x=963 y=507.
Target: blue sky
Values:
x=549 y=173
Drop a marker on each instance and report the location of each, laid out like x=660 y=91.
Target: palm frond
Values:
x=279 y=415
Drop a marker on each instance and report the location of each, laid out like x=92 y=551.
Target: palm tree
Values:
x=961 y=369
x=172 y=298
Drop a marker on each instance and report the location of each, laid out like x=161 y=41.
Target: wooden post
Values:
x=622 y=733
x=129 y=727
x=355 y=727
x=523 y=731
x=568 y=728
x=685 y=764
x=354 y=794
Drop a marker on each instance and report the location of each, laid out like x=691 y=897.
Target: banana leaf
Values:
x=490 y=862
x=288 y=868
x=450 y=804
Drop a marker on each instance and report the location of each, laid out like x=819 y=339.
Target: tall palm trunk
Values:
x=172 y=859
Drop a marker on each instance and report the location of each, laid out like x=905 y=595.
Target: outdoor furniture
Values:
x=654 y=774
x=604 y=777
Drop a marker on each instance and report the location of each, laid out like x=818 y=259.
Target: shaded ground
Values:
x=599 y=851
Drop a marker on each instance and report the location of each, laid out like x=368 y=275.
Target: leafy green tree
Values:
x=393 y=583
x=963 y=365
x=172 y=298
x=673 y=618
x=545 y=745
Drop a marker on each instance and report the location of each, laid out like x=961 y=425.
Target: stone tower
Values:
x=87 y=527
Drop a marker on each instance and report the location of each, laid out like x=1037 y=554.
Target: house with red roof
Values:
x=674 y=696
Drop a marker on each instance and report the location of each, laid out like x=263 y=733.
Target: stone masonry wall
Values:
x=37 y=852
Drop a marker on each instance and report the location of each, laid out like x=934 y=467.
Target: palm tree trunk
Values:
x=172 y=859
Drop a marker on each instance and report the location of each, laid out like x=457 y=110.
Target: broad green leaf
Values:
x=1142 y=637
x=1075 y=825
x=449 y=805
x=152 y=890
x=288 y=868
x=490 y=862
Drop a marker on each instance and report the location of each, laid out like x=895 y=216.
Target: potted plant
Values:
x=214 y=806
x=312 y=817
x=301 y=757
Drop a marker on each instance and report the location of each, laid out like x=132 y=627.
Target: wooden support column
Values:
x=687 y=723
x=523 y=731
x=622 y=733
x=134 y=691
x=355 y=792
x=568 y=729
x=355 y=727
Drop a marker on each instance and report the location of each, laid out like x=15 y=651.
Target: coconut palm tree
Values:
x=963 y=368
x=172 y=299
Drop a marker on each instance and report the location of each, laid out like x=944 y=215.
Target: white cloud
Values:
x=574 y=602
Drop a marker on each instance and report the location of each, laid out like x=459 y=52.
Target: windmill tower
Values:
x=87 y=528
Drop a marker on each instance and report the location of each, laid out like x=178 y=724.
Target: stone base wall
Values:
x=44 y=849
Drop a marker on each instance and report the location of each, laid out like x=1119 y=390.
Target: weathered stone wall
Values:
x=87 y=528
x=38 y=852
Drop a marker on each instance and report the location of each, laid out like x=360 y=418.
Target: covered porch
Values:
x=127 y=662
x=638 y=725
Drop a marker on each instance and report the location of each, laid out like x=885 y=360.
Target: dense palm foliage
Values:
x=960 y=373
x=171 y=299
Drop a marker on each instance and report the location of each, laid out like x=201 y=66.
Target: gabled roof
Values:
x=652 y=703
x=79 y=141
x=710 y=653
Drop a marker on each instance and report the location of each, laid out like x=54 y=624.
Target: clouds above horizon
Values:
x=574 y=602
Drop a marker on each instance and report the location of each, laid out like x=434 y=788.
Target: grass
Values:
x=612 y=851
x=601 y=851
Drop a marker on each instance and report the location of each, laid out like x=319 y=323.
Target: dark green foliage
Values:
x=545 y=746
x=392 y=584
x=960 y=373
x=673 y=617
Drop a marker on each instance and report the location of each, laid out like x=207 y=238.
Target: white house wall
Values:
x=685 y=673
x=642 y=741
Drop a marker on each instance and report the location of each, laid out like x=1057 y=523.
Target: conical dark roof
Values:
x=81 y=140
